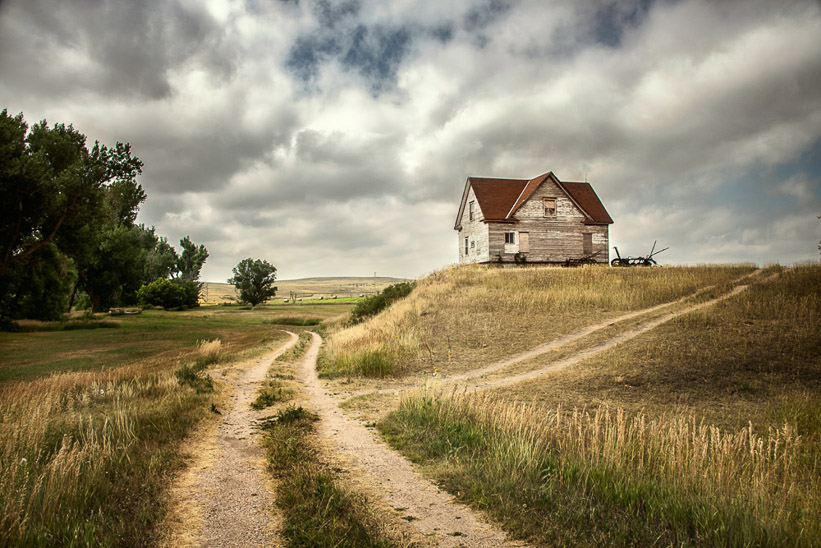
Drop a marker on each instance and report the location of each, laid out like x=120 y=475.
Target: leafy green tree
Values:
x=52 y=186
x=160 y=257
x=37 y=287
x=191 y=259
x=62 y=200
x=254 y=279
x=162 y=292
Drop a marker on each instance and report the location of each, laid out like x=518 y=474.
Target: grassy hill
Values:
x=307 y=288
x=703 y=430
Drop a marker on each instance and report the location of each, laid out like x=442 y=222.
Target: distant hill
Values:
x=308 y=288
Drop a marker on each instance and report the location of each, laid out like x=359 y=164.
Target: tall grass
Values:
x=85 y=457
x=585 y=478
x=470 y=314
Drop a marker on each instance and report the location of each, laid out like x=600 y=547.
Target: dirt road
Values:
x=225 y=498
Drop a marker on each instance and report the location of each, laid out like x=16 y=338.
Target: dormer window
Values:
x=549 y=207
x=471 y=207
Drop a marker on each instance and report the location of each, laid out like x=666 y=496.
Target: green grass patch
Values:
x=271 y=392
x=296 y=351
x=376 y=363
x=69 y=325
x=293 y=321
x=154 y=334
x=317 y=511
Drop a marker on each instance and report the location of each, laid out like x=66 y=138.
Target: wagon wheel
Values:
x=615 y=262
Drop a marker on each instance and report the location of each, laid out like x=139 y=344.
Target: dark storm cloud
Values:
x=374 y=52
x=325 y=168
x=611 y=20
x=120 y=48
x=478 y=18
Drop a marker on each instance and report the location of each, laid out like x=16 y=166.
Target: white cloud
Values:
x=666 y=111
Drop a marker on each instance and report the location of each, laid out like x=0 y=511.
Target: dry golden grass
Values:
x=465 y=317
x=86 y=457
x=670 y=478
x=746 y=358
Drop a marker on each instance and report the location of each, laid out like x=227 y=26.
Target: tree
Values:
x=60 y=201
x=53 y=186
x=191 y=259
x=254 y=279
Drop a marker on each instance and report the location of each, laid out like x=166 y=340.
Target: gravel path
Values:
x=229 y=498
x=429 y=509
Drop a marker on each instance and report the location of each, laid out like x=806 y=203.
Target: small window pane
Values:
x=550 y=207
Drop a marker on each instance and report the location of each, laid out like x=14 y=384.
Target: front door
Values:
x=524 y=242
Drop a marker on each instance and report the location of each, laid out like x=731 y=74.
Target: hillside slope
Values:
x=466 y=317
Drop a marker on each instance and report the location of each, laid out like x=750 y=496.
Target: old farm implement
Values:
x=646 y=260
x=587 y=259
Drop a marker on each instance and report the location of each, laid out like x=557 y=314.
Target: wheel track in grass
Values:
x=225 y=496
x=431 y=511
x=469 y=378
x=586 y=353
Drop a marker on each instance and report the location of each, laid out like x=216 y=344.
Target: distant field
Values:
x=155 y=336
x=307 y=288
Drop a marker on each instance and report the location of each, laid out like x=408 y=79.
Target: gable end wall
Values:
x=475 y=231
x=551 y=240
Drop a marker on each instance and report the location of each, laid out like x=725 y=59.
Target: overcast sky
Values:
x=334 y=137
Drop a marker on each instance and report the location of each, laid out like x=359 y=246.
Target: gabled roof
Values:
x=500 y=199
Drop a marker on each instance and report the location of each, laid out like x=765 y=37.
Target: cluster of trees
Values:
x=67 y=226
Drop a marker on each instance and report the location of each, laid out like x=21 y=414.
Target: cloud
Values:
x=334 y=137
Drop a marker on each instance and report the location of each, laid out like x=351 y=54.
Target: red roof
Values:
x=499 y=199
x=495 y=196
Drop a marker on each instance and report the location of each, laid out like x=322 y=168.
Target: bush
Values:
x=375 y=304
x=169 y=293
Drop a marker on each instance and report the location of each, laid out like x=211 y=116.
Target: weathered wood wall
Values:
x=551 y=239
x=475 y=231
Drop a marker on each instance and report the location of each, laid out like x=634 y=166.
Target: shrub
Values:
x=375 y=304
x=169 y=293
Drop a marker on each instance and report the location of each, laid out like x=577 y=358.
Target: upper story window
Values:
x=549 y=207
x=471 y=209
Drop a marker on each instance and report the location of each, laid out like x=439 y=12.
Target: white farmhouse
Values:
x=537 y=221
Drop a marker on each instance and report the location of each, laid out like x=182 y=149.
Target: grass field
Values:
x=92 y=421
x=345 y=289
x=703 y=431
x=154 y=337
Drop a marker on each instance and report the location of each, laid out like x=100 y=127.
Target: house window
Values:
x=587 y=243
x=470 y=210
x=550 y=207
x=510 y=237
x=466 y=246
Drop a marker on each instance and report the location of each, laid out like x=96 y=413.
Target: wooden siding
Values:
x=551 y=239
x=475 y=231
